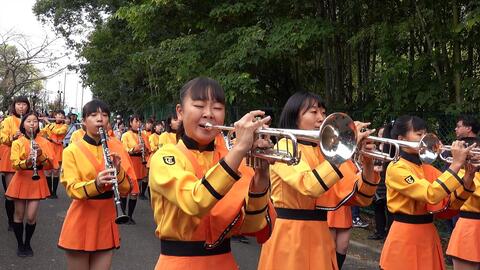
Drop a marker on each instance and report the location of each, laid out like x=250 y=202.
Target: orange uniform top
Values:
x=21 y=151
x=166 y=138
x=55 y=132
x=130 y=139
x=8 y=128
x=77 y=135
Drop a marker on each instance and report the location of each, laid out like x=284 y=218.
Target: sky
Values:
x=17 y=15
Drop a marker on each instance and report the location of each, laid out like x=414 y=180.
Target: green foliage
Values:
x=378 y=57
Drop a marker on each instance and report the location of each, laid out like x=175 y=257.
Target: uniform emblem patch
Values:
x=169 y=160
x=410 y=180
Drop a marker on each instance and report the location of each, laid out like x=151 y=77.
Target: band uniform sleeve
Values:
x=366 y=189
x=71 y=178
x=60 y=129
x=302 y=178
x=18 y=156
x=152 y=142
x=256 y=208
x=6 y=132
x=401 y=179
x=460 y=195
x=170 y=178
x=126 y=142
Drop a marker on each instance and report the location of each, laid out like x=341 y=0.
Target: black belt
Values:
x=470 y=215
x=103 y=196
x=192 y=248
x=413 y=219
x=136 y=155
x=301 y=214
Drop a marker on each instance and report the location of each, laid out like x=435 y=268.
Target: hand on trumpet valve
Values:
x=362 y=131
x=245 y=129
x=460 y=153
x=368 y=147
x=470 y=170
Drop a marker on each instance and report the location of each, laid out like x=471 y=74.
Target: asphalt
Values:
x=139 y=246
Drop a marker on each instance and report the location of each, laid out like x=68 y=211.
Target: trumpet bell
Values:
x=429 y=148
x=338 y=140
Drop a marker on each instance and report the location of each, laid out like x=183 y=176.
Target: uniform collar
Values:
x=193 y=145
x=91 y=141
x=411 y=157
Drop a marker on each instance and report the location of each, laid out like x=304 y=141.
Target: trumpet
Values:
x=428 y=148
x=34 y=150
x=448 y=159
x=121 y=217
x=337 y=138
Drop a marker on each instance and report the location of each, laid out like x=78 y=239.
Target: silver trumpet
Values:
x=121 y=217
x=34 y=150
x=337 y=138
x=428 y=148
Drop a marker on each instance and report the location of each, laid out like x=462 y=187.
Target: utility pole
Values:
x=64 y=85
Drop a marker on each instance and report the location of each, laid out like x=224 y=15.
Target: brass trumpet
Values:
x=337 y=138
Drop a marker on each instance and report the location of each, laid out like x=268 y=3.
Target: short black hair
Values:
x=22 y=128
x=168 y=127
x=202 y=88
x=60 y=112
x=295 y=104
x=94 y=106
x=405 y=123
x=19 y=99
x=470 y=121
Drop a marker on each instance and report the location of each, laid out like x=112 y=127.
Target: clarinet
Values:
x=142 y=144
x=34 y=150
x=121 y=217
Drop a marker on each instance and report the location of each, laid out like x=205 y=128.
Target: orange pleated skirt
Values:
x=90 y=226
x=5 y=162
x=218 y=262
x=22 y=186
x=412 y=247
x=138 y=167
x=464 y=240
x=340 y=218
x=57 y=154
x=299 y=244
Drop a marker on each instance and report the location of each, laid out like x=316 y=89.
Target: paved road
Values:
x=139 y=248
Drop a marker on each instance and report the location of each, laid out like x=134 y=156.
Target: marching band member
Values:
x=413 y=242
x=9 y=132
x=199 y=197
x=301 y=194
x=170 y=134
x=55 y=132
x=463 y=246
x=23 y=189
x=131 y=143
x=153 y=139
x=89 y=233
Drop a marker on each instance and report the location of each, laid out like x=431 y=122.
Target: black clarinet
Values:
x=121 y=217
x=142 y=145
x=34 y=150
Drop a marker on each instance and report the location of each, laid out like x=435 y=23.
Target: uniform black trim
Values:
x=91 y=141
x=193 y=145
x=210 y=189
x=256 y=212
x=134 y=154
x=104 y=196
x=468 y=190
x=413 y=219
x=365 y=195
x=85 y=190
x=443 y=186
x=458 y=197
x=337 y=170
x=192 y=248
x=257 y=195
x=368 y=182
x=85 y=251
x=301 y=214
x=320 y=180
x=414 y=158
x=229 y=170
x=455 y=175
x=469 y=215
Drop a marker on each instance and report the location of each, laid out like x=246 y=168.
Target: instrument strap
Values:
x=97 y=165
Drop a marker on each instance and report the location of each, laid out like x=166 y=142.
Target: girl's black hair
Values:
x=18 y=99
x=94 y=106
x=168 y=126
x=200 y=88
x=62 y=112
x=26 y=133
x=298 y=102
x=133 y=117
x=405 y=123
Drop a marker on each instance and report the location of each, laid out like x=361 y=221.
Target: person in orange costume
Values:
x=9 y=132
x=413 y=242
x=55 y=133
x=302 y=193
x=170 y=134
x=89 y=233
x=23 y=189
x=199 y=197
